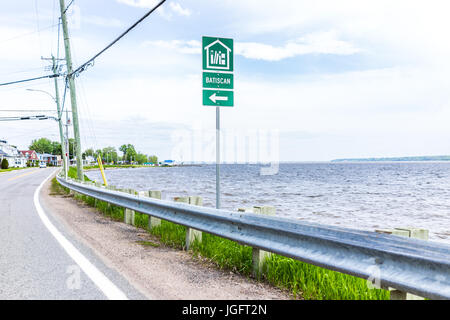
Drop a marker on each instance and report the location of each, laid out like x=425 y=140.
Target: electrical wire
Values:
x=28 y=110
x=20 y=118
x=91 y=61
x=68 y=6
x=31 y=79
x=27 y=34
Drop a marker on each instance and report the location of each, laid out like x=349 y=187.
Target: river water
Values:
x=364 y=196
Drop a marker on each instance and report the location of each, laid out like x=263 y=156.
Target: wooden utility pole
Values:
x=58 y=108
x=73 y=95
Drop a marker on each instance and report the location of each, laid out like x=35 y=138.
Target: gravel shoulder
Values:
x=158 y=272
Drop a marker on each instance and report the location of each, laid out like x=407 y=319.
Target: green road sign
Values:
x=218 y=98
x=217 y=54
x=214 y=80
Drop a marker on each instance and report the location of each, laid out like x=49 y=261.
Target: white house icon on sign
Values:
x=217 y=55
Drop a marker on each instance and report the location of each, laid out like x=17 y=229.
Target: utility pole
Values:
x=73 y=95
x=58 y=108
x=67 y=144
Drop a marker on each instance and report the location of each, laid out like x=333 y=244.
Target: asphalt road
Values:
x=35 y=262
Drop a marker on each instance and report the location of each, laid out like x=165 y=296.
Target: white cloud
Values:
x=409 y=30
x=180 y=46
x=175 y=6
x=165 y=11
x=140 y=3
x=103 y=22
x=317 y=43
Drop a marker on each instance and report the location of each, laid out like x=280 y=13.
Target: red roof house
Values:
x=30 y=155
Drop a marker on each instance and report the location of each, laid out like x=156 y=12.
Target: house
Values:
x=4 y=155
x=50 y=159
x=31 y=156
x=89 y=160
x=12 y=154
x=218 y=56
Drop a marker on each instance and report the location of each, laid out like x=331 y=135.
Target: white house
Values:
x=15 y=158
x=50 y=159
x=90 y=160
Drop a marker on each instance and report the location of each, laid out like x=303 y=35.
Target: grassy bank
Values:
x=112 y=166
x=13 y=169
x=303 y=280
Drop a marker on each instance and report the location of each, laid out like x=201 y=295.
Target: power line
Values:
x=68 y=6
x=39 y=117
x=29 y=110
x=31 y=79
x=27 y=34
x=91 y=61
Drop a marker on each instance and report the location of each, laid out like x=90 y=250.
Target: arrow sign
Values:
x=215 y=98
x=218 y=98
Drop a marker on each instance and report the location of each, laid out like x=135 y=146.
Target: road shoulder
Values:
x=159 y=272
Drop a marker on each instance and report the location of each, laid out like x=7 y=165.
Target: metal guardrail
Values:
x=410 y=265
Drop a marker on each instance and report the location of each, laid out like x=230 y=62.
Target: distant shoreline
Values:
x=396 y=159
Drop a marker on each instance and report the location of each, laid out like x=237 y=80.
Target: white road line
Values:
x=101 y=281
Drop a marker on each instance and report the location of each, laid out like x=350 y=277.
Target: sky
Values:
x=323 y=80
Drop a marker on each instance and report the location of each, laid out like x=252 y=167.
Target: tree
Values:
x=98 y=152
x=153 y=159
x=110 y=154
x=56 y=148
x=141 y=158
x=129 y=152
x=71 y=148
x=5 y=164
x=89 y=152
x=42 y=145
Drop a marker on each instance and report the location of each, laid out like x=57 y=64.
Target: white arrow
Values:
x=215 y=98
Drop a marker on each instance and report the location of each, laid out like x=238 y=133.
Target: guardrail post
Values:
x=191 y=234
x=109 y=187
x=259 y=256
x=410 y=233
x=128 y=215
x=152 y=221
x=97 y=184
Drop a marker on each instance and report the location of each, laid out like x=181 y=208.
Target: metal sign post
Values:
x=218 y=85
x=218 y=157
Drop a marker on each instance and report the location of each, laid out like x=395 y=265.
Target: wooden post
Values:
x=109 y=204
x=259 y=256
x=97 y=184
x=128 y=215
x=191 y=234
x=153 y=221
x=410 y=233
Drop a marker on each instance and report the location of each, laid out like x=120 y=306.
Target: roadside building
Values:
x=168 y=163
x=50 y=159
x=9 y=152
x=31 y=156
x=89 y=160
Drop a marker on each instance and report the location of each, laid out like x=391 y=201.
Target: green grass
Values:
x=148 y=244
x=73 y=174
x=13 y=169
x=313 y=282
x=117 y=166
x=57 y=189
x=304 y=281
x=301 y=279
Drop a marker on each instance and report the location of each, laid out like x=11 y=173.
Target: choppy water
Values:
x=356 y=195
